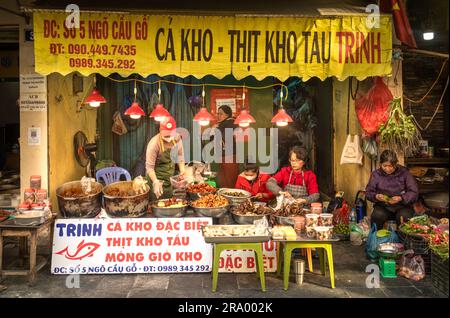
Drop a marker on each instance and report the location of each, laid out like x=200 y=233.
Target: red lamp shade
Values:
x=95 y=99
x=135 y=111
x=282 y=118
x=160 y=113
x=203 y=117
x=244 y=119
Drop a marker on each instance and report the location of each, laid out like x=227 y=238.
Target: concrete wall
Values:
x=352 y=177
x=65 y=119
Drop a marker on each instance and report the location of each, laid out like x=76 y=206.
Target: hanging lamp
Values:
x=244 y=119
x=95 y=99
x=281 y=119
x=135 y=111
x=159 y=113
x=203 y=117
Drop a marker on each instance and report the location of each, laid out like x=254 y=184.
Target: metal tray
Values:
x=236 y=239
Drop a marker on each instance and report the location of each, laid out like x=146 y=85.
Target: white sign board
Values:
x=33 y=92
x=122 y=246
x=244 y=261
x=226 y=101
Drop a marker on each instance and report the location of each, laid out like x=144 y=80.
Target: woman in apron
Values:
x=159 y=162
x=295 y=181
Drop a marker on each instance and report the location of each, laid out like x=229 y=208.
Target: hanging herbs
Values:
x=399 y=132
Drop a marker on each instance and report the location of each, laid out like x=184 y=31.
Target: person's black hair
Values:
x=300 y=153
x=388 y=156
x=227 y=110
x=251 y=166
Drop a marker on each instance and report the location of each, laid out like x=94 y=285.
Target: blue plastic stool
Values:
x=112 y=174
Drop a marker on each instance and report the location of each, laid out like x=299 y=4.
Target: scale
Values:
x=389 y=253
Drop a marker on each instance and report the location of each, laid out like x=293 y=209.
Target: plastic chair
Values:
x=112 y=174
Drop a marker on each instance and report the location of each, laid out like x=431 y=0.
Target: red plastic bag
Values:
x=340 y=215
x=372 y=108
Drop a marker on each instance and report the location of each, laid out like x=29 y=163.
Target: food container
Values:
x=125 y=206
x=324 y=233
x=29 y=196
x=239 y=197
x=74 y=204
x=299 y=224
x=41 y=195
x=35 y=182
x=31 y=218
x=163 y=212
x=326 y=219
x=212 y=212
x=316 y=208
x=38 y=206
x=23 y=207
x=312 y=220
x=246 y=219
x=178 y=183
x=310 y=232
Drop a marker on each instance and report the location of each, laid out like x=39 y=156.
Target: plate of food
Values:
x=172 y=207
x=211 y=205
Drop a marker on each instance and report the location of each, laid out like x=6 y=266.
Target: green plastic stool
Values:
x=257 y=247
x=387 y=267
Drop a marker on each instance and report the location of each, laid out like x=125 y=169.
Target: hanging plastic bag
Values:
x=370 y=147
x=352 y=152
x=411 y=267
x=119 y=126
x=372 y=107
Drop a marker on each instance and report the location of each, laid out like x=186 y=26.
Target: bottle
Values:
x=361 y=206
x=352 y=219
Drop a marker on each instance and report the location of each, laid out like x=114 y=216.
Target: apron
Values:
x=297 y=192
x=164 y=169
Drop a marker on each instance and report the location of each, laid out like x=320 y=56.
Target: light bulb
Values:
x=427 y=36
x=204 y=122
x=160 y=118
x=135 y=116
x=94 y=104
x=282 y=123
x=244 y=124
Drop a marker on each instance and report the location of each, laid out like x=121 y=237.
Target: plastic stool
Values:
x=387 y=267
x=257 y=247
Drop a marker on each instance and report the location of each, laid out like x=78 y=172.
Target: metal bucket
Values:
x=125 y=206
x=83 y=207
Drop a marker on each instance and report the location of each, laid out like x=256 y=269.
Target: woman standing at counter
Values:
x=159 y=164
x=393 y=190
x=295 y=181
x=228 y=168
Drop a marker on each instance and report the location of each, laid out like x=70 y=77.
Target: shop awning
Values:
x=183 y=45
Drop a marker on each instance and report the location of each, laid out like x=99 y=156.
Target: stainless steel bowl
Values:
x=285 y=220
x=246 y=219
x=233 y=199
x=168 y=211
x=212 y=212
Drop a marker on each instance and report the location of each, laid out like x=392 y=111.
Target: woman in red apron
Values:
x=295 y=181
x=253 y=181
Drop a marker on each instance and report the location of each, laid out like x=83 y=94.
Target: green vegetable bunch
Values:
x=399 y=132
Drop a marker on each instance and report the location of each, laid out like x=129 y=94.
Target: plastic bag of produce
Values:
x=372 y=107
x=373 y=241
x=340 y=215
x=411 y=267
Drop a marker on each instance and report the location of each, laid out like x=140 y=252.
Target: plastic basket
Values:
x=439 y=273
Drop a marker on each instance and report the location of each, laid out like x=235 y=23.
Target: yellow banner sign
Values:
x=209 y=45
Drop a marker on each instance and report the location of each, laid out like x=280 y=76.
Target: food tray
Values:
x=237 y=239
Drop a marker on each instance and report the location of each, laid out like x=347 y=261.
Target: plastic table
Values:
x=303 y=242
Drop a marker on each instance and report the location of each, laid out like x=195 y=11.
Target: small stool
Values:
x=24 y=232
x=257 y=247
x=287 y=249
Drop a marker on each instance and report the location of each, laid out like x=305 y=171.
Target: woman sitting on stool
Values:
x=393 y=190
